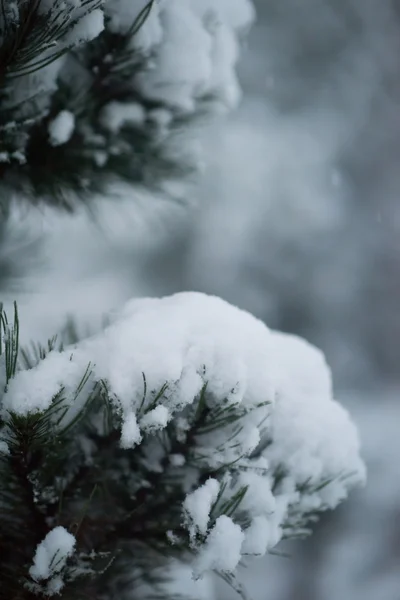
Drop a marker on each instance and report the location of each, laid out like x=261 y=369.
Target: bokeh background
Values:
x=296 y=217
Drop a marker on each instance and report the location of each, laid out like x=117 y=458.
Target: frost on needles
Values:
x=186 y=430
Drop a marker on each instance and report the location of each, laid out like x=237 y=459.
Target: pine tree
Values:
x=187 y=432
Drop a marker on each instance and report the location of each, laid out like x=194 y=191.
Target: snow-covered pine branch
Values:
x=187 y=428
x=94 y=92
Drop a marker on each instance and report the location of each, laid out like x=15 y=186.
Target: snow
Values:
x=261 y=500
x=4 y=449
x=314 y=448
x=186 y=43
x=157 y=356
x=89 y=23
x=54 y=586
x=50 y=558
x=116 y=115
x=177 y=460
x=73 y=23
x=61 y=128
x=122 y=14
x=196 y=49
x=161 y=117
x=258 y=537
x=225 y=53
x=222 y=550
x=130 y=432
x=189 y=339
x=237 y=14
x=169 y=339
x=157 y=418
x=354 y=554
x=197 y=507
x=183 y=61
x=88 y=27
x=47 y=380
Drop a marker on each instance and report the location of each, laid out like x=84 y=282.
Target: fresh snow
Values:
x=50 y=558
x=258 y=537
x=157 y=418
x=193 y=45
x=196 y=48
x=130 y=432
x=157 y=356
x=197 y=507
x=222 y=550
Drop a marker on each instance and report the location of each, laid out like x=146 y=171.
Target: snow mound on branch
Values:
x=322 y=442
x=198 y=504
x=222 y=550
x=180 y=341
x=275 y=431
x=194 y=47
x=189 y=339
x=50 y=558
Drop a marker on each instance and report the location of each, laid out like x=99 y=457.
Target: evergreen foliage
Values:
x=51 y=65
x=121 y=513
x=131 y=501
x=186 y=429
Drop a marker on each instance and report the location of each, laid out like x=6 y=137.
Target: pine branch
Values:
x=27 y=40
x=95 y=75
x=129 y=507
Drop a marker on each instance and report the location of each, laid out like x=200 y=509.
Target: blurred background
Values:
x=296 y=218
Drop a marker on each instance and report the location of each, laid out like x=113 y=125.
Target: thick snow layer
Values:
x=196 y=47
x=324 y=439
x=294 y=448
x=50 y=558
x=184 y=340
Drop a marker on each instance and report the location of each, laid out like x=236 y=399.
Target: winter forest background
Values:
x=295 y=218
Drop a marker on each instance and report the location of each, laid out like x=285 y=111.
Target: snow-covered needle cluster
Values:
x=98 y=91
x=186 y=428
